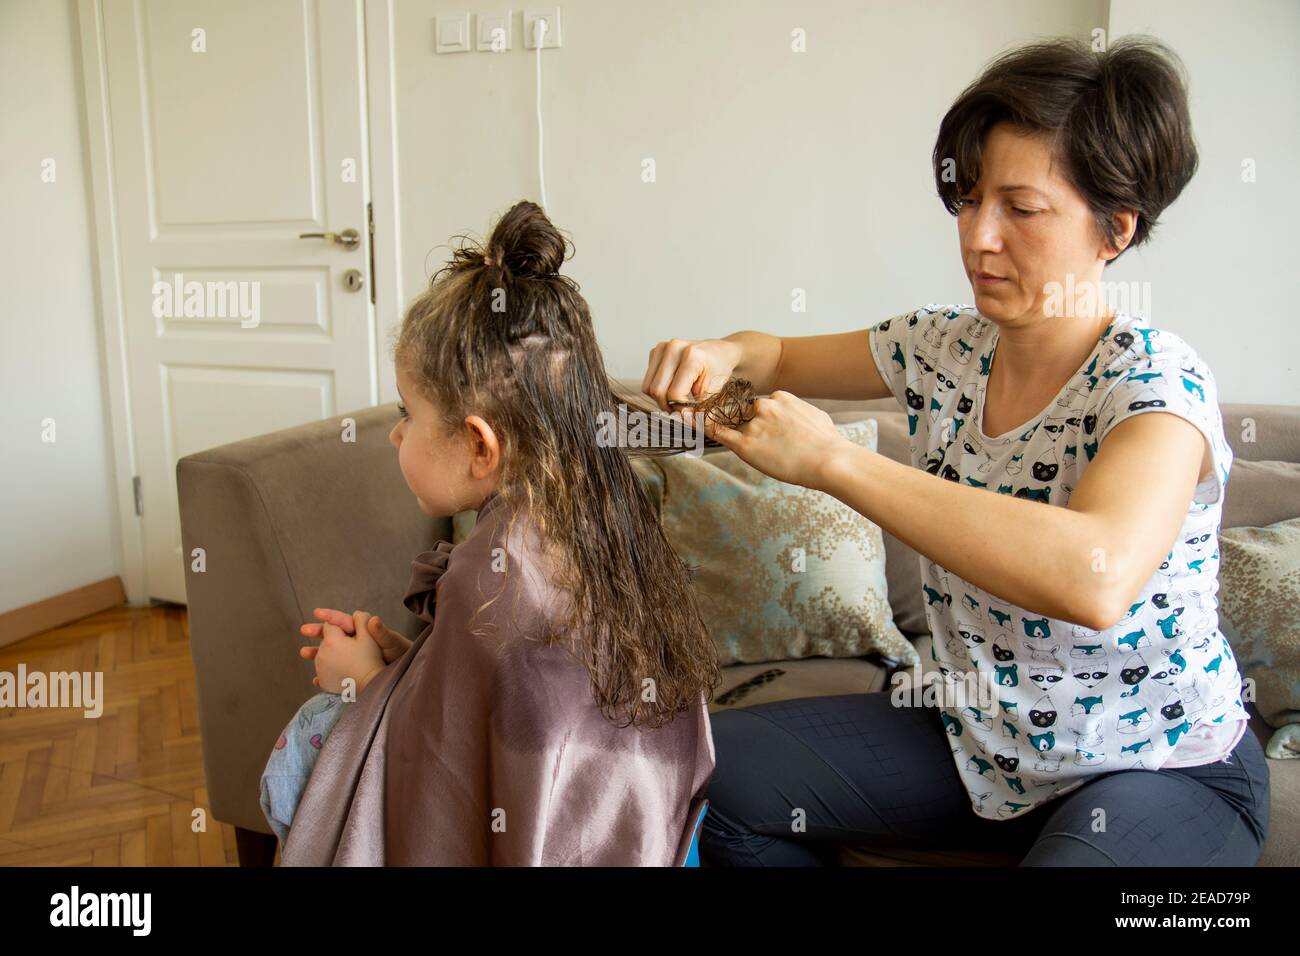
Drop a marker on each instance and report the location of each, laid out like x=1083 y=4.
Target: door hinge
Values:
x=139 y=495
x=370 y=225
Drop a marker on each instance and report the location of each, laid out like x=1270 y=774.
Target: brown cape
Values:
x=485 y=747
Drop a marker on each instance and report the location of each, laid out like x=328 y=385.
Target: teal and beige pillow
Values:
x=783 y=572
x=1259 y=582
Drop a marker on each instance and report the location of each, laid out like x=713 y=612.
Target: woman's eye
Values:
x=1024 y=212
x=401 y=410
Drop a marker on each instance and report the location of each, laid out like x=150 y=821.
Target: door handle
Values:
x=348 y=238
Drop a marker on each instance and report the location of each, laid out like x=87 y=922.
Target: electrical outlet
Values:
x=552 y=17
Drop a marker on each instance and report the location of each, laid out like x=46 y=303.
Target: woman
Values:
x=1067 y=531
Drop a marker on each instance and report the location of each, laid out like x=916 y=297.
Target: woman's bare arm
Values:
x=1025 y=552
x=812 y=366
x=1084 y=562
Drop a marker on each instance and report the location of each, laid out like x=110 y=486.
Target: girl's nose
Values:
x=393 y=438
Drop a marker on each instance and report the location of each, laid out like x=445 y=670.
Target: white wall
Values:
x=1225 y=255
x=779 y=170
x=775 y=170
x=56 y=506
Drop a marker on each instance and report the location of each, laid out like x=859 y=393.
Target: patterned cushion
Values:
x=784 y=572
x=1259 y=579
x=902 y=564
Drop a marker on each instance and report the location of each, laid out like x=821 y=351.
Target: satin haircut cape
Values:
x=481 y=746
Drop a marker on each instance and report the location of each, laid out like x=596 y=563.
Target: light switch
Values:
x=494 y=32
x=451 y=33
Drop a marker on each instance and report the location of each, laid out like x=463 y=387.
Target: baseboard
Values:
x=61 y=609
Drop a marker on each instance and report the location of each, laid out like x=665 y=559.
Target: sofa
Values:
x=318 y=515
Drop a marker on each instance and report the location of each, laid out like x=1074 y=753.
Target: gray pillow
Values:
x=1261 y=493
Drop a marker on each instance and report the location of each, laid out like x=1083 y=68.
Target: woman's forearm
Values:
x=838 y=365
x=760 y=360
x=1035 y=556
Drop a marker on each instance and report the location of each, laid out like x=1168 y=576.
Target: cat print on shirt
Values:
x=1072 y=701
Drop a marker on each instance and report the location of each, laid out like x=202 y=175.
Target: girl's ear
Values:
x=485 y=451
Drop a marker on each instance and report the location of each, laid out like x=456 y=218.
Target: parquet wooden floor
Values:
x=120 y=789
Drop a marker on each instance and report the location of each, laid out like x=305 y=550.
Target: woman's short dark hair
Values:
x=1118 y=120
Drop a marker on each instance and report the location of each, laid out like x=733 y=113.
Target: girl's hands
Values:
x=391 y=644
x=358 y=647
x=679 y=369
x=787 y=439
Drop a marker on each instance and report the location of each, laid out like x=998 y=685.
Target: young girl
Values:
x=554 y=711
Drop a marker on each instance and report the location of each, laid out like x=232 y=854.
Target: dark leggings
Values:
x=866 y=772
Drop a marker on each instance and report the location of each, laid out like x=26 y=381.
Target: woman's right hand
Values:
x=682 y=369
x=391 y=644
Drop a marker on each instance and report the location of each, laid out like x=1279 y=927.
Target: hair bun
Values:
x=526 y=243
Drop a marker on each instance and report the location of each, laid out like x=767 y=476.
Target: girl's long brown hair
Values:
x=501 y=334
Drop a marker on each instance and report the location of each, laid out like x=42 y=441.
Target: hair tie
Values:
x=487 y=259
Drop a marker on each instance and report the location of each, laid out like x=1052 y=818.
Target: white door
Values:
x=236 y=126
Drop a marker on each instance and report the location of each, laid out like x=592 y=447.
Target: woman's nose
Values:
x=984 y=234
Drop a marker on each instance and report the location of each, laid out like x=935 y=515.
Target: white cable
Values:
x=539 y=31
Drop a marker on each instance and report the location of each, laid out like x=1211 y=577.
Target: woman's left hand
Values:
x=787 y=439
